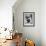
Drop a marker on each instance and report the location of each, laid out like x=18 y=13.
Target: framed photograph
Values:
x=29 y=19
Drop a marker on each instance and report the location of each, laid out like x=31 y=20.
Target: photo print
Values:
x=28 y=18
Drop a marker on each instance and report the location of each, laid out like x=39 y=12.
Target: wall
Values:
x=32 y=33
x=43 y=22
x=6 y=13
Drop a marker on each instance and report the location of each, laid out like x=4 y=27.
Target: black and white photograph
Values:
x=28 y=18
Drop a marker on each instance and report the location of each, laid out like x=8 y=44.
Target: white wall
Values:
x=43 y=22
x=6 y=13
x=29 y=32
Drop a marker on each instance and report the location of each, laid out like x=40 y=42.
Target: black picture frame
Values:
x=28 y=19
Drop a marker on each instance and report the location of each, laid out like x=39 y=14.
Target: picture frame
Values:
x=28 y=19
